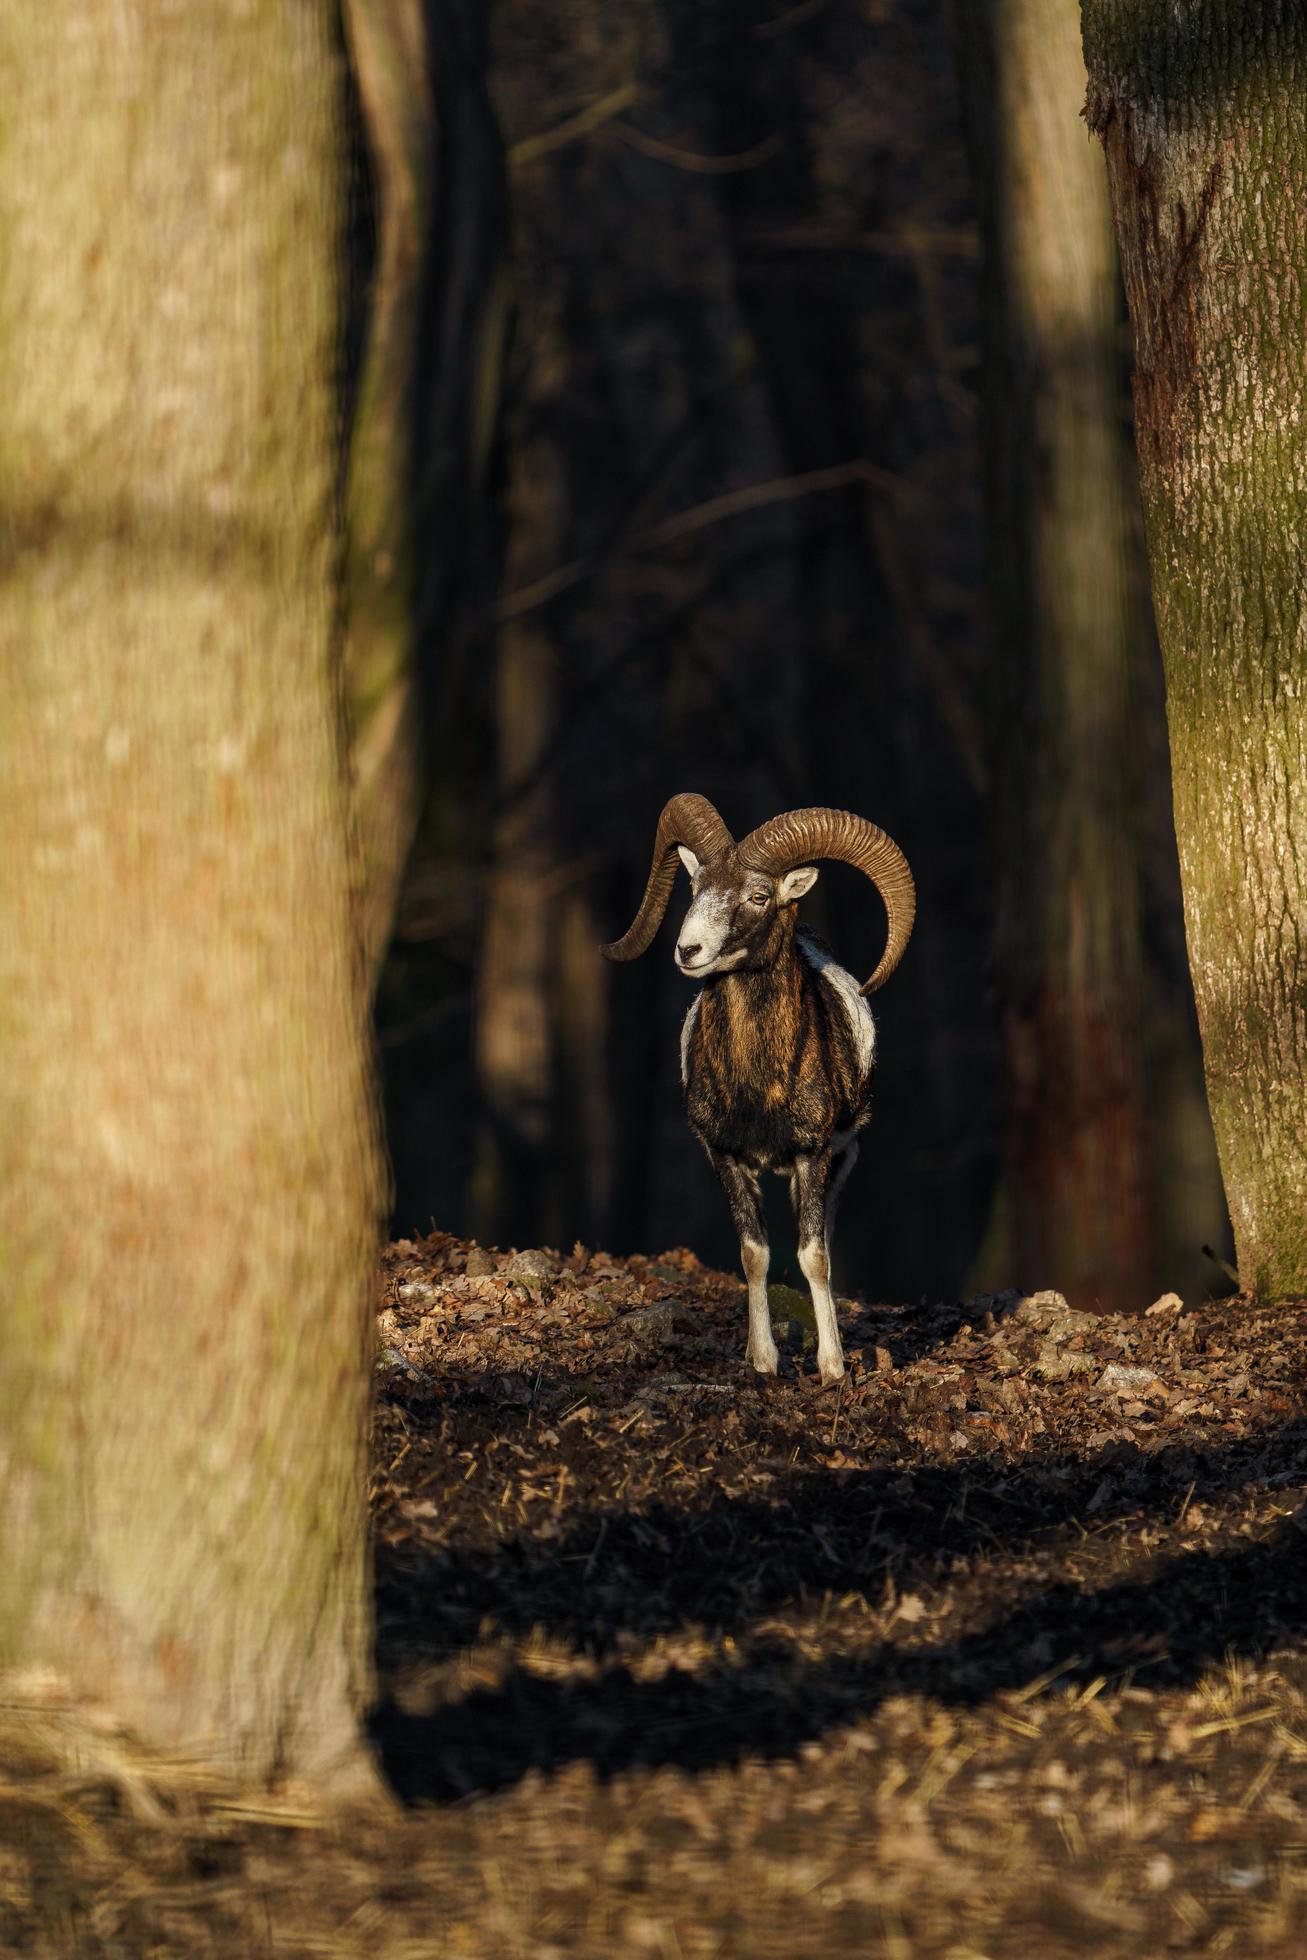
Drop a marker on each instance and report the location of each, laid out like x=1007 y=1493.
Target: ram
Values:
x=779 y=1047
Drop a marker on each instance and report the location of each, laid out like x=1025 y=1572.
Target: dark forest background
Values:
x=711 y=311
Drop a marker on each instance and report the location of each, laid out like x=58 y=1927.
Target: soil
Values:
x=1000 y=1648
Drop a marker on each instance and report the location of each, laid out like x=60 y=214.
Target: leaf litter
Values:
x=1000 y=1647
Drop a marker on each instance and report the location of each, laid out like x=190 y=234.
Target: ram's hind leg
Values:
x=843 y=1163
x=745 y=1200
x=813 y=1189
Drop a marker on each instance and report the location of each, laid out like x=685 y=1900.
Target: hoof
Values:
x=831 y=1377
x=766 y=1364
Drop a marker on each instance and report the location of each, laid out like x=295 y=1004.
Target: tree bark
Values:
x=515 y=1034
x=1203 y=117
x=189 y=1175
x=389 y=55
x=426 y=407
x=531 y=1135
x=1063 y=635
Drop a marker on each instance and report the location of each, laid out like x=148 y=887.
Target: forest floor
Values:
x=1000 y=1649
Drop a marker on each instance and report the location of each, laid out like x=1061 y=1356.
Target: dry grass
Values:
x=981 y=1656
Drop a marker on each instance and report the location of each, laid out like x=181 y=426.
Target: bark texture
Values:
x=1063 y=633
x=189 y=1181
x=1203 y=114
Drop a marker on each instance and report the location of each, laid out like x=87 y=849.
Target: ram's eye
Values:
x=758 y=898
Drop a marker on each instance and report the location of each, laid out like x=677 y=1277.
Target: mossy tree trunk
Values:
x=1203 y=116
x=189 y=1185
x=1063 y=637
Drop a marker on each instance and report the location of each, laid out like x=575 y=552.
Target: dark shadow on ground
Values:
x=1196 y=1609
x=616 y=1577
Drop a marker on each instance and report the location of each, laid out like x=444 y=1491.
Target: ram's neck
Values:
x=759 y=1007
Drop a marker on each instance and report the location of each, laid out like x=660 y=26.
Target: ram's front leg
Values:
x=745 y=1200
x=811 y=1187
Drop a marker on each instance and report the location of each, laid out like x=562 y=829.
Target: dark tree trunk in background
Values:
x=515 y=1023
x=423 y=560
x=189 y=1176
x=1064 y=631
x=543 y=1169
x=424 y=407
x=1203 y=115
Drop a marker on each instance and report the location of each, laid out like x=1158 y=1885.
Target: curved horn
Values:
x=686 y=819
x=801 y=835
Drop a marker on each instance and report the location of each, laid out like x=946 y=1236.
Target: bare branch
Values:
x=693 y=160
x=754 y=496
x=574 y=128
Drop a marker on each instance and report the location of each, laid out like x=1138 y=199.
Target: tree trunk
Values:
x=189 y=1183
x=389 y=54
x=521 y=1144
x=515 y=1034
x=1204 y=120
x=426 y=407
x=1063 y=639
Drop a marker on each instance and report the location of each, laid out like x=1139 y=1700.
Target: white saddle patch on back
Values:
x=864 y=1028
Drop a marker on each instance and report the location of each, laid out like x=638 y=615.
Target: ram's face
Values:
x=730 y=911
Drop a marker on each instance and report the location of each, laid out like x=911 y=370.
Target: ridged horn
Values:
x=686 y=819
x=799 y=836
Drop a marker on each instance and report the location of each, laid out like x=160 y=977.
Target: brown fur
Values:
x=772 y=1068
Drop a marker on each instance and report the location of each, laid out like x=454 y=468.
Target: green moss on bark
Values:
x=1203 y=116
x=188 y=1154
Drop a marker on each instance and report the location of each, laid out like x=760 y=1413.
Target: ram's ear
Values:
x=689 y=860
x=795 y=883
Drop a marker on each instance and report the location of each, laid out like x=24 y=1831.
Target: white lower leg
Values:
x=815 y=1262
x=761 y=1351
